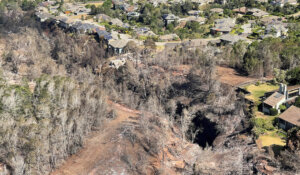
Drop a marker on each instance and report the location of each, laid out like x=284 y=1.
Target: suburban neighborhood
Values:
x=247 y=24
x=205 y=21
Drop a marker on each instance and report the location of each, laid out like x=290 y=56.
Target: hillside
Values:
x=65 y=109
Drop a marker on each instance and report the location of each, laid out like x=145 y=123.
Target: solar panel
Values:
x=278 y=95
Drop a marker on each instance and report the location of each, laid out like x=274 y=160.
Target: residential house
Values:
x=284 y=95
x=262 y=1
x=117 y=46
x=117 y=36
x=276 y=30
x=118 y=3
x=41 y=9
x=144 y=31
x=194 y=13
x=223 y=26
x=117 y=22
x=169 y=37
x=141 y=29
x=82 y=11
x=102 y=18
x=271 y=19
x=102 y=34
x=169 y=18
x=47 y=3
x=200 y=20
x=231 y=39
x=241 y=10
x=257 y=12
x=217 y=11
x=53 y=9
x=128 y=8
x=42 y=16
x=155 y=3
x=247 y=29
x=84 y=27
x=223 y=2
x=289 y=118
x=64 y=22
x=202 y=2
x=133 y=15
x=281 y=3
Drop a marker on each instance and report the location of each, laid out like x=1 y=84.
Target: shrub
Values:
x=273 y=111
x=293 y=76
x=257 y=83
x=261 y=125
x=297 y=102
x=282 y=108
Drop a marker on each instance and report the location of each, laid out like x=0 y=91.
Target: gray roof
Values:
x=103 y=17
x=231 y=38
x=217 y=10
x=194 y=12
x=170 y=17
x=44 y=16
x=116 y=21
x=224 y=25
x=258 y=12
x=118 y=43
x=104 y=34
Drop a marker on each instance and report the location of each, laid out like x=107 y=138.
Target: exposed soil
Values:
x=231 y=77
x=106 y=152
x=98 y=147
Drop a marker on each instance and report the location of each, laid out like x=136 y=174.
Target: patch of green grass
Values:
x=259 y=90
x=268 y=140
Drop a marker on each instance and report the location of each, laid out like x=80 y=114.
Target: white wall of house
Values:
x=278 y=104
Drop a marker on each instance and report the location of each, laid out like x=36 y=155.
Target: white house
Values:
x=284 y=95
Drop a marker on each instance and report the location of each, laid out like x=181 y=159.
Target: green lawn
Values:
x=258 y=91
x=267 y=134
x=268 y=140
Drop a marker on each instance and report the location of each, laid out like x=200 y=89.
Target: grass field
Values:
x=268 y=140
x=258 y=91
x=268 y=137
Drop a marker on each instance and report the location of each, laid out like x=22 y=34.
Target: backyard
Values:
x=264 y=125
x=258 y=90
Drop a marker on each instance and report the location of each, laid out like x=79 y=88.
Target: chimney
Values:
x=281 y=88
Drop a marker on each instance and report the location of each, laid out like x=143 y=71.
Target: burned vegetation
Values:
x=171 y=113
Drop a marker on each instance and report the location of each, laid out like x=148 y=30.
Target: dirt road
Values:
x=99 y=148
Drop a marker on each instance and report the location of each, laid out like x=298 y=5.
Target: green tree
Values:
x=297 y=102
x=273 y=111
x=293 y=76
x=107 y=4
x=28 y=5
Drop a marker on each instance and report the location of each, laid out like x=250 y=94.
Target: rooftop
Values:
x=170 y=17
x=291 y=115
x=240 y=10
x=118 y=43
x=274 y=99
x=217 y=10
x=231 y=38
